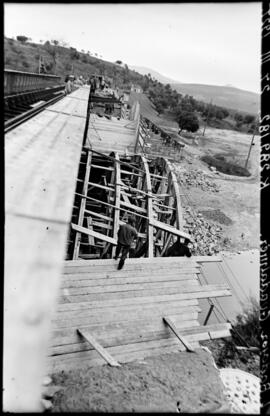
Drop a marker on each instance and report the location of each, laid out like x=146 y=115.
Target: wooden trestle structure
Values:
x=112 y=187
x=71 y=179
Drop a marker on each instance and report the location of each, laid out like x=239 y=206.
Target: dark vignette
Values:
x=265 y=193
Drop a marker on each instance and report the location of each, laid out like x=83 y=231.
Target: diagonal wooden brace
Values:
x=105 y=354
x=179 y=336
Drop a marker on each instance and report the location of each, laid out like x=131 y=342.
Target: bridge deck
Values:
x=41 y=163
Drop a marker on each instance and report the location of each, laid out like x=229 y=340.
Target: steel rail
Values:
x=21 y=118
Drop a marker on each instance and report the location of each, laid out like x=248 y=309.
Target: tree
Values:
x=238 y=117
x=249 y=118
x=188 y=121
x=220 y=114
x=22 y=38
x=52 y=50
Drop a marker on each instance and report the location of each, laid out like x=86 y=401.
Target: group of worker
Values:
x=127 y=235
x=71 y=82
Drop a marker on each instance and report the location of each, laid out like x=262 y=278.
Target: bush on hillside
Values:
x=22 y=38
x=188 y=121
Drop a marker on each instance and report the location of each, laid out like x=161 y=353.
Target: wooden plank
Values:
x=94 y=234
x=168 y=321
x=116 y=212
x=123 y=324
x=131 y=352
x=117 y=337
x=69 y=281
x=132 y=286
x=172 y=230
x=102 y=167
x=176 y=191
x=150 y=246
x=105 y=354
x=127 y=172
x=125 y=313
x=145 y=260
x=132 y=206
x=102 y=225
x=91 y=239
x=98 y=215
x=98 y=185
x=158 y=176
x=208 y=291
x=107 y=271
x=68 y=307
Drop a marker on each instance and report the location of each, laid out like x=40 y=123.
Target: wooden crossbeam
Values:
x=135 y=207
x=104 y=354
x=98 y=215
x=177 y=333
x=97 y=185
x=127 y=172
x=170 y=229
x=94 y=234
x=101 y=167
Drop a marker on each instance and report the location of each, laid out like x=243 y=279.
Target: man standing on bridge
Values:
x=126 y=235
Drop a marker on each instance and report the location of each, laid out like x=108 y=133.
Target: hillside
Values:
x=61 y=61
x=225 y=96
x=154 y=74
x=229 y=97
x=163 y=98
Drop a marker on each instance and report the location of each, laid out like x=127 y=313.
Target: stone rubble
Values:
x=195 y=177
x=207 y=236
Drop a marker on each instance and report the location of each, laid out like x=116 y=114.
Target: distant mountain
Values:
x=154 y=74
x=225 y=96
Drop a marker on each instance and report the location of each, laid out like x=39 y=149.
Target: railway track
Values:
x=20 y=107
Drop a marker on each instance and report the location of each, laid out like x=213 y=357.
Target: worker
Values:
x=126 y=236
x=68 y=88
x=179 y=249
x=93 y=85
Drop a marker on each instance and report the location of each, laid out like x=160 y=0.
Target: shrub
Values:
x=25 y=64
x=188 y=121
x=21 y=38
x=247 y=323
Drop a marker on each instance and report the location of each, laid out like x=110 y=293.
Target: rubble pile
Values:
x=197 y=178
x=207 y=236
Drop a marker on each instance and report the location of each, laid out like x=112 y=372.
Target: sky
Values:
x=203 y=43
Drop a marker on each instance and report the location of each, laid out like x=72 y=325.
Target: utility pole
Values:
x=251 y=144
x=207 y=117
